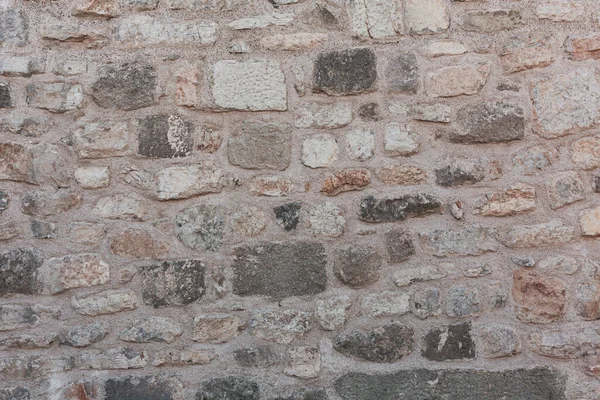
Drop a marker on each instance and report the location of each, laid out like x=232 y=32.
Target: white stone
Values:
x=589 y=221
x=92 y=177
x=252 y=85
x=376 y=19
x=331 y=313
x=323 y=115
x=55 y=97
x=121 y=206
x=457 y=80
x=107 y=302
x=319 y=151
x=400 y=140
x=261 y=21
x=70 y=68
x=143 y=31
x=327 y=219
x=385 y=303
x=182 y=182
x=16 y=66
x=304 y=362
x=446 y=47
x=426 y=16
x=360 y=144
x=102 y=139
x=293 y=41
x=238 y=47
x=560 y=10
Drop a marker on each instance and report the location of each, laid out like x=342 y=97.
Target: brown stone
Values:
x=518 y=199
x=272 y=186
x=404 y=174
x=16 y=163
x=524 y=55
x=540 y=300
x=138 y=244
x=584 y=48
x=587 y=299
x=345 y=181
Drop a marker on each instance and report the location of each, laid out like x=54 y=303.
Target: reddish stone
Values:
x=540 y=300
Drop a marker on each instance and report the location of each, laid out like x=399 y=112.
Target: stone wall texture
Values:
x=299 y=199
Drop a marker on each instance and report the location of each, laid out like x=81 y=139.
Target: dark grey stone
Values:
x=256 y=357
x=386 y=344
x=43 y=229
x=357 y=265
x=455 y=174
x=84 y=335
x=596 y=184
x=399 y=245
x=17 y=393
x=229 y=388
x=491 y=122
x=4 y=200
x=426 y=302
x=19 y=271
x=370 y=112
x=16 y=316
x=142 y=388
x=346 y=72
x=260 y=145
x=201 y=227
x=398 y=209
x=127 y=86
x=304 y=394
x=14 y=27
x=5 y=96
x=424 y=384
x=503 y=87
x=452 y=342
x=288 y=215
x=402 y=73
x=173 y=283
x=280 y=270
x=322 y=16
x=164 y=136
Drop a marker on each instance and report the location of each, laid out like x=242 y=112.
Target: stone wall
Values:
x=299 y=199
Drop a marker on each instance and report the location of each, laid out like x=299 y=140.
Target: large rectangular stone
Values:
x=144 y=31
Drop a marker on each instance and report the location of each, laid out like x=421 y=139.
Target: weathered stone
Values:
x=398 y=209
x=331 y=313
x=487 y=21
x=305 y=394
x=73 y=33
x=216 y=328
x=115 y=358
x=238 y=47
x=403 y=174
x=143 y=31
x=14 y=27
x=551 y=233
x=5 y=95
x=92 y=177
x=153 y=329
x=280 y=270
x=202 y=5
x=187 y=356
x=137 y=244
x=326 y=219
x=360 y=144
x=456 y=80
x=587 y=301
x=16 y=163
x=521 y=55
x=126 y=86
x=357 y=265
x=402 y=73
x=15 y=393
x=102 y=140
x=70 y=68
x=500 y=341
x=103 y=9
x=255 y=357
x=589 y=222
x=84 y=335
x=231 y=387
x=446 y=47
x=17 y=316
x=248 y=220
x=304 y=362
x=596 y=183
x=558 y=265
x=369 y=112
x=565 y=103
x=164 y=136
x=43 y=229
x=86 y=233
x=569 y=344
x=423 y=273
x=323 y=115
x=107 y=302
x=346 y=180
x=280 y=326
x=74 y=271
x=272 y=186
x=385 y=344
x=346 y=72
x=319 y=151
x=540 y=300
x=376 y=19
x=518 y=199
x=181 y=182
x=288 y=215
x=385 y=304
x=146 y=387
x=426 y=16
x=400 y=140
x=490 y=122
x=262 y=21
x=460 y=171
x=453 y=342
x=426 y=303
x=471 y=241
x=173 y=283
x=520 y=384
x=583 y=47
x=19 y=271
x=462 y=301
x=399 y=245
x=55 y=97
x=251 y=85
x=122 y=206
x=560 y=10
x=24 y=125
x=565 y=188
x=586 y=152
x=258 y=145
x=201 y=227
x=293 y=41
x=29 y=342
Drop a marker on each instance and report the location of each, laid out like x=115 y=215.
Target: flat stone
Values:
x=426 y=303
x=102 y=140
x=385 y=304
x=399 y=245
x=446 y=47
x=326 y=219
x=560 y=10
x=426 y=16
x=565 y=188
x=331 y=313
x=294 y=41
x=258 y=145
x=460 y=171
x=403 y=174
x=17 y=316
x=248 y=221
x=84 y=335
x=231 y=387
x=488 y=21
x=360 y=144
x=261 y=21
x=585 y=152
x=201 y=5
x=43 y=229
x=70 y=34
x=164 y=136
x=153 y=329
x=30 y=342
x=322 y=115
x=15 y=393
x=402 y=73
x=518 y=199
x=137 y=243
x=589 y=222
x=540 y=300
x=14 y=26
x=271 y=186
x=127 y=86
x=453 y=342
x=587 y=301
x=358 y=265
x=16 y=163
x=369 y=112
x=428 y=112
x=457 y=80
x=532 y=160
x=280 y=270
x=216 y=328
x=558 y=265
x=346 y=180
x=140 y=31
x=500 y=341
x=425 y=273
x=376 y=19
x=288 y=215
x=173 y=283
x=345 y=72
x=185 y=181
x=103 y=9
x=209 y=139
x=86 y=233
x=398 y=209
x=112 y=359
x=251 y=85
x=123 y=207
x=521 y=55
x=146 y=387
x=19 y=269
x=473 y=240
x=201 y=227
x=304 y=362
x=305 y=394
x=384 y=344
x=570 y=344
x=74 y=271
x=92 y=177
x=490 y=122
x=70 y=68
x=25 y=125
x=55 y=97
x=186 y=356
x=582 y=48
x=552 y=233
x=280 y=326
x=565 y=103
x=9 y=230
x=462 y=301
x=256 y=357
x=319 y=151
x=107 y=302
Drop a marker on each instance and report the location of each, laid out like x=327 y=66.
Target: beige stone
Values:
x=271 y=186
x=304 y=362
x=585 y=152
x=518 y=199
x=403 y=174
x=137 y=243
x=560 y=10
x=293 y=41
x=216 y=328
x=426 y=16
x=346 y=180
x=457 y=80
x=107 y=302
x=552 y=233
x=376 y=19
x=75 y=271
x=589 y=222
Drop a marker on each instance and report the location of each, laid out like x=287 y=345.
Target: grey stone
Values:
x=5 y=95
x=486 y=21
x=424 y=384
x=462 y=301
x=58 y=97
x=402 y=73
x=152 y=329
x=399 y=208
x=595 y=184
x=173 y=283
x=500 y=341
x=14 y=27
x=143 y=388
x=112 y=359
x=41 y=341
x=460 y=171
x=17 y=316
x=452 y=342
x=256 y=357
x=43 y=229
x=304 y=394
x=280 y=270
x=127 y=86
x=84 y=335
x=288 y=215
x=346 y=72
x=565 y=188
x=16 y=393
x=385 y=344
x=489 y=122
x=370 y=112
x=164 y=136
x=280 y=326
x=426 y=302
x=201 y=227
x=106 y=302
x=473 y=240
x=572 y=343
x=357 y=265
x=331 y=313
x=74 y=271
x=43 y=204
x=229 y=388
x=399 y=245
x=259 y=145
x=19 y=271
x=4 y=201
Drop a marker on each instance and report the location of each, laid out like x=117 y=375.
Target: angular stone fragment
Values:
x=102 y=139
x=43 y=229
x=146 y=387
x=305 y=394
x=55 y=97
x=399 y=245
x=589 y=222
x=471 y=241
x=385 y=344
x=261 y=21
x=346 y=180
x=402 y=73
x=272 y=186
x=84 y=335
x=288 y=215
x=9 y=230
x=487 y=21
x=357 y=265
x=585 y=152
x=280 y=270
x=201 y=227
x=248 y=220
x=489 y=122
x=323 y=115
x=74 y=271
x=559 y=265
x=15 y=393
x=258 y=145
x=304 y=362
x=426 y=303
x=231 y=387
x=540 y=300
x=216 y=328
x=456 y=80
x=426 y=16
x=565 y=188
x=345 y=72
x=565 y=103
x=518 y=199
x=360 y=144
x=453 y=342
x=331 y=313
x=376 y=19
x=447 y=47
x=86 y=233
x=97 y=9
x=293 y=41
x=92 y=177
x=522 y=55
x=128 y=86
x=173 y=283
x=583 y=47
x=429 y=112
x=385 y=304
x=398 y=209
x=70 y=68
x=186 y=356
x=107 y=302
x=14 y=27
x=462 y=301
x=17 y=316
x=567 y=344
x=460 y=171
x=182 y=182
x=122 y=206
x=164 y=136
x=143 y=31
x=404 y=174
x=280 y=326
x=552 y=233
x=500 y=341
x=251 y=85
x=16 y=163
x=255 y=357
x=560 y=10
x=326 y=219
x=153 y=329
x=19 y=271
x=319 y=151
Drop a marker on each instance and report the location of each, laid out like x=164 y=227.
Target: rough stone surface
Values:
x=324 y=115
x=346 y=180
x=400 y=140
x=216 y=328
x=360 y=144
x=518 y=199
x=404 y=174
x=331 y=313
x=123 y=207
x=327 y=219
x=540 y=300
x=137 y=244
x=402 y=73
x=181 y=182
x=489 y=123
x=357 y=266
x=154 y=387
x=201 y=227
x=304 y=362
x=153 y=329
x=570 y=344
x=565 y=188
x=173 y=283
x=164 y=136
x=280 y=326
x=457 y=80
x=346 y=72
x=383 y=304
x=15 y=27
x=84 y=335
x=288 y=215
x=485 y=21
x=74 y=271
x=127 y=86
x=376 y=19
x=384 y=344
x=589 y=222
x=319 y=151
x=231 y=387
x=255 y=357
x=19 y=271
x=261 y=146
x=107 y=302
x=586 y=152
x=144 y=31
x=399 y=245
x=550 y=233
x=462 y=301
x=460 y=171
x=55 y=97
x=426 y=303
x=452 y=342
x=17 y=316
x=398 y=209
x=500 y=341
